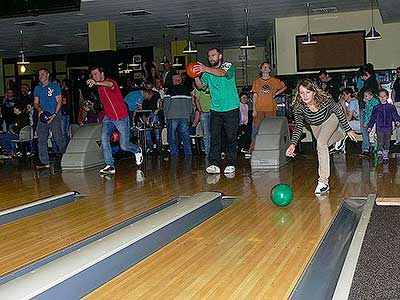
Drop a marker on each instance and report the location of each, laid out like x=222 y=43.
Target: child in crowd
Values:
x=89 y=115
x=244 y=128
x=383 y=115
x=370 y=103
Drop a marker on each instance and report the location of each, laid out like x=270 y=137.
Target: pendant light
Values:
x=247 y=44
x=164 y=60
x=309 y=39
x=372 y=34
x=190 y=48
x=176 y=61
x=21 y=55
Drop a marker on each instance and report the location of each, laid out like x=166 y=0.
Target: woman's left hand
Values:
x=352 y=135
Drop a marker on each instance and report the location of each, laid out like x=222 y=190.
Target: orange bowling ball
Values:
x=189 y=69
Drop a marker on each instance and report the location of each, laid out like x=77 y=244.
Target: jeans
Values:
x=181 y=127
x=43 y=135
x=226 y=123
x=64 y=128
x=6 y=144
x=153 y=119
x=205 y=126
x=364 y=132
x=108 y=127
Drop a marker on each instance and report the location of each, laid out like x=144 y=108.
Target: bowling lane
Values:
x=21 y=184
x=251 y=250
x=111 y=200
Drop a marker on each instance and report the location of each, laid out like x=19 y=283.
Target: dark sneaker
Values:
x=107 y=170
x=364 y=154
x=41 y=165
x=332 y=149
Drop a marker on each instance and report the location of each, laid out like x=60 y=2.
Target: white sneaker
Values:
x=229 y=169
x=213 y=169
x=321 y=188
x=341 y=145
x=139 y=157
x=107 y=170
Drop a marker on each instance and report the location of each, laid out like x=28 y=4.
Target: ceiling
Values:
x=225 y=18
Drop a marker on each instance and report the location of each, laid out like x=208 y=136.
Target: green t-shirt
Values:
x=224 y=95
x=204 y=99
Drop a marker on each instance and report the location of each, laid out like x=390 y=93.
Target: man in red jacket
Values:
x=116 y=118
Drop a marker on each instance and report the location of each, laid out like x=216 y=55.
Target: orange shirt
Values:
x=265 y=90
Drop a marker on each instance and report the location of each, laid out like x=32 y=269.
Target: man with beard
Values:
x=224 y=118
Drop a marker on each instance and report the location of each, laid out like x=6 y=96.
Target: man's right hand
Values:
x=254 y=113
x=90 y=82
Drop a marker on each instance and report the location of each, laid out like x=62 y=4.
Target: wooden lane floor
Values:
x=110 y=201
x=250 y=249
x=20 y=184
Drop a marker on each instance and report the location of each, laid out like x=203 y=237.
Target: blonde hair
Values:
x=321 y=97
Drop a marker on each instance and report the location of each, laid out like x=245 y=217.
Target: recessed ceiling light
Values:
x=200 y=32
x=2 y=50
x=30 y=23
x=84 y=34
x=52 y=45
x=127 y=42
x=138 y=12
x=88 y=0
x=211 y=35
x=178 y=25
x=80 y=14
x=325 y=10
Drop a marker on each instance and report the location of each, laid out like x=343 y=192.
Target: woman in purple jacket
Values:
x=383 y=115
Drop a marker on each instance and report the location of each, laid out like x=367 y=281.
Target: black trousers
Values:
x=226 y=123
x=244 y=137
x=383 y=140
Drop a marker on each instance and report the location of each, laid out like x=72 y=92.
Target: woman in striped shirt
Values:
x=315 y=107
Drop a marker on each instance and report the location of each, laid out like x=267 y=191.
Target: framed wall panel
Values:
x=338 y=50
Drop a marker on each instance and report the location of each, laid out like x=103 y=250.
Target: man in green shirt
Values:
x=224 y=118
x=202 y=99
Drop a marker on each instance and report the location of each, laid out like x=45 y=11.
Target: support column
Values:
x=103 y=47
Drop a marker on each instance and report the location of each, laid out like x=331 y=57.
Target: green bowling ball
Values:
x=281 y=194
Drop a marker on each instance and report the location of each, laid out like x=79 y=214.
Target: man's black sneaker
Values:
x=364 y=154
x=107 y=170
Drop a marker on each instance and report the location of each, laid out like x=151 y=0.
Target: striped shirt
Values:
x=304 y=115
